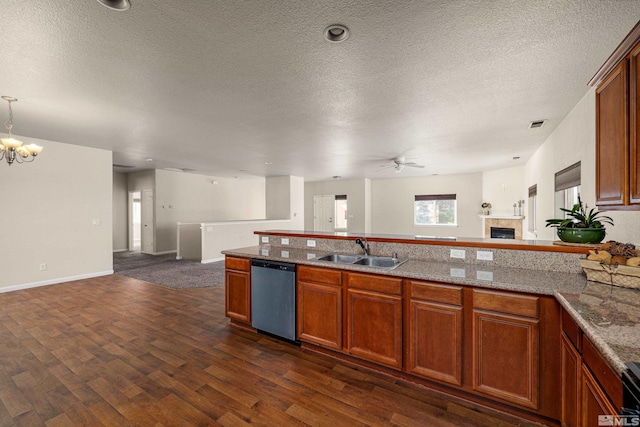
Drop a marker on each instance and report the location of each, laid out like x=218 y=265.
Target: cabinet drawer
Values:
x=240 y=264
x=519 y=305
x=319 y=275
x=605 y=376
x=571 y=330
x=445 y=294
x=387 y=285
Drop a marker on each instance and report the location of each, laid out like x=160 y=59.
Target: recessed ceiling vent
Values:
x=537 y=124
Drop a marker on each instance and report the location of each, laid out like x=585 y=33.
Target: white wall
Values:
x=120 y=215
x=48 y=208
x=278 y=197
x=358 y=204
x=502 y=188
x=185 y=197
x=393 y=201
x=573 y=141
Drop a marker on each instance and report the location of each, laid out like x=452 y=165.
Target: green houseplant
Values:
x=581 y=226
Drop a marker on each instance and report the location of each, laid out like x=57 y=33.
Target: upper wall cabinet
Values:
x=618 y=127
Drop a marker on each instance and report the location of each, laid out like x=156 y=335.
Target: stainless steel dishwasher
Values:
x=273 y=298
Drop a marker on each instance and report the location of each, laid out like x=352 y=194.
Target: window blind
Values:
x=568 y=177
x=420 y=198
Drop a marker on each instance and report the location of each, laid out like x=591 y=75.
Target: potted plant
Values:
x=581 y=226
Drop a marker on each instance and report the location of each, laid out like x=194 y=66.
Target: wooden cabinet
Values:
x=571 y=377
x=506 y=347
x=319 y=295
x=374 y=318
x=237 y=302
x=590 y=388
x=434 y=347
x=617 y=128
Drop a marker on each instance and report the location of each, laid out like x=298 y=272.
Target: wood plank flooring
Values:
x=116 y=351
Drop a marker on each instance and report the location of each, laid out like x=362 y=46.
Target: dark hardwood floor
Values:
x=117 y=351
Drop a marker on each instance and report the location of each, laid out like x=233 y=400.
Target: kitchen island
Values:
x=486 y=331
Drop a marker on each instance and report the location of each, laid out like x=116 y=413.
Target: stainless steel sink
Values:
x=380 y=262
x=388 y=263
x=344 y=259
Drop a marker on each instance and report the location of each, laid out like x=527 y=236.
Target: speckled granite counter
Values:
x=609 y=316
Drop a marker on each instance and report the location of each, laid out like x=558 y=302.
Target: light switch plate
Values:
x=284 y=241
x=458 y=253
x=485 y=255
x=265 y=239
x=458 y=272
x=311 y=243
x=265 y=252
x=484 y=275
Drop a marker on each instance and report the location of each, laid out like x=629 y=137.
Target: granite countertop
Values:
x=608 y=315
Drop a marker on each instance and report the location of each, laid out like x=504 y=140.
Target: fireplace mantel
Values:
x=503 y=221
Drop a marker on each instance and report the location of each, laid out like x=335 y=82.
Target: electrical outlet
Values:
x=96 y=221
x=458 y=253
x=284 y=254
x=484 y=275
x=311 y=255
x=458 y=272
x=43 y=267
x=311 y=243
x=265 y=239
x=284 y=241
x=265 y=252
x=485 y=255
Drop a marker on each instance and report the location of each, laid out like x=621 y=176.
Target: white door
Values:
x=147 y=221
x=323 y=211
x=135 y=221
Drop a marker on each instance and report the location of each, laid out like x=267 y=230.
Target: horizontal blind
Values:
x=435 y=197
x=533 y=190
x=341 y=197
x=568 y=177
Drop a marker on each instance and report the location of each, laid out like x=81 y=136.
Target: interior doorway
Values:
x=135 y=221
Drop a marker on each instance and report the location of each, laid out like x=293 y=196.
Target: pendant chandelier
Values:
x=11 y=148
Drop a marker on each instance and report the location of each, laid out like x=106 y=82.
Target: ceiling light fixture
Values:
x=118 y=5
x=11 y=148
x=336 y=33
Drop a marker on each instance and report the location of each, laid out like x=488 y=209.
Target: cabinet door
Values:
x=238 y=295
x=594 y=402
x=571 y=367
x=634 y=142
x=435 y=341
x=612 y=138
x=375 y=327
x=320 y=314
x=505 y=357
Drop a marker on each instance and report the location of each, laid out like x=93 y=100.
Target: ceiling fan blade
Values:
x=413 y=165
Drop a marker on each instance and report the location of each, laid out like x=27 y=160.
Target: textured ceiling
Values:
x=223 y=87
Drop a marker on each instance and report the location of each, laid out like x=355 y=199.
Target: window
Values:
x=567 y=188
x=435 y=209
x=341 y=212
x=533 y=196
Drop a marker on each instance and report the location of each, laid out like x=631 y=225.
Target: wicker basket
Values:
x=620 y=275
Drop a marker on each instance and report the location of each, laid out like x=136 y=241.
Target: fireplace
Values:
x=503 y=233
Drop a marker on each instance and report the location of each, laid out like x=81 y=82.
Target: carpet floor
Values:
x=166 y=270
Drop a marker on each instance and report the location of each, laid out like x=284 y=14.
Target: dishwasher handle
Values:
x=275 y=265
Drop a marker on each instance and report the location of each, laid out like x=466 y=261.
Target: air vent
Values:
x=536 y=124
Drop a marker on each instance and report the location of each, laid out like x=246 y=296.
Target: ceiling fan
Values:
x=399 y=164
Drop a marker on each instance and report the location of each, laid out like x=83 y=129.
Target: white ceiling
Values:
x=222 y=87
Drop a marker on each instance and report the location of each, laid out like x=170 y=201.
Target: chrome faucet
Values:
x=364 y=244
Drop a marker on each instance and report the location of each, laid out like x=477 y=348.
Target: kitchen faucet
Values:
x=364 y=245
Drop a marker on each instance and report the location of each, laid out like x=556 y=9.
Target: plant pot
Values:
x=581 y=235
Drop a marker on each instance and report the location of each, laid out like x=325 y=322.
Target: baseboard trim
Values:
x=120 y=250
x=165 y=252
x=54 y=281
x=208 y=261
